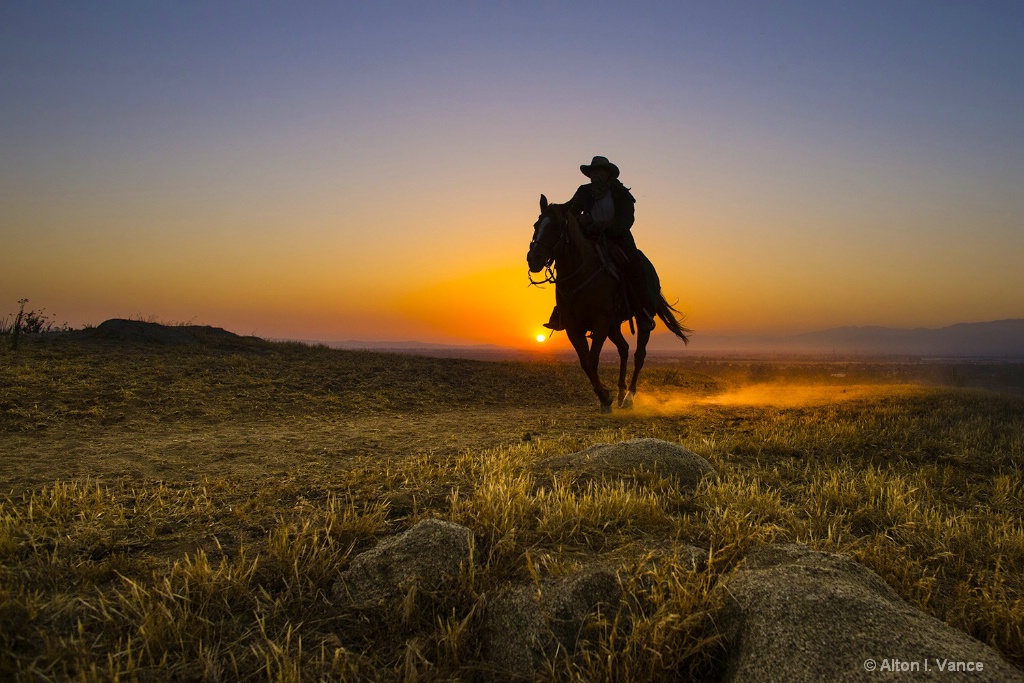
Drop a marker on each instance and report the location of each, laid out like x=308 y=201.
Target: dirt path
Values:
x=254 y=449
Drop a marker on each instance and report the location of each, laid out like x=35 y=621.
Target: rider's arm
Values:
x=578 y=206
x=624 y=216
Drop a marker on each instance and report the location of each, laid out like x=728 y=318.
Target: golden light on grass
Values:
x=881 y=473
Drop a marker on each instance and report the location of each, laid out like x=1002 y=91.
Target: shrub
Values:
x=28 y=322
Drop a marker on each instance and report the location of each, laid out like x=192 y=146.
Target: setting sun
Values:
x=541 y=338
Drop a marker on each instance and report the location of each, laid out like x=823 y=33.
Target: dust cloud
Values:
x=779 y=395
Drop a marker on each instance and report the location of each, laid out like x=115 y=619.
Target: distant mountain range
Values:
x=474 y=351
x=406 y=345
x=996 y=339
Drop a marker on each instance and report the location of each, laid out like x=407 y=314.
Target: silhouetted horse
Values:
x=590 y=299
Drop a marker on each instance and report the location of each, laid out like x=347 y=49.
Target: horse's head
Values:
x=549 y=236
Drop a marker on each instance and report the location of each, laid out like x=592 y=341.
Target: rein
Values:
x=549 y=276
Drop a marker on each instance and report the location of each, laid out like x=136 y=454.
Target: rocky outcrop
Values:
x=638 y=460
x=426 y=556
x=799 y=615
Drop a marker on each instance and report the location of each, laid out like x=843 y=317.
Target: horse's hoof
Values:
x=606 y=408
x=627 y=401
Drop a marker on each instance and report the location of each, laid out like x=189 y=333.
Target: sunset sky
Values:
x=372 y=170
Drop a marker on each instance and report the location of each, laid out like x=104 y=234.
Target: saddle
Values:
x=628 y=269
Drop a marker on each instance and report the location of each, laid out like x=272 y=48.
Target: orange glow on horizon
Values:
x=490 y=307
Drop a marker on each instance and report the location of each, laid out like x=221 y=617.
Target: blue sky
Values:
x=796 y=164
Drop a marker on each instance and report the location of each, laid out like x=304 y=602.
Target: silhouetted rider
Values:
x=604 y=210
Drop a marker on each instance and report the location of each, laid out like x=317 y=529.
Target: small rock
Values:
x=638 y=460
x=525 y=624
x=427 y=555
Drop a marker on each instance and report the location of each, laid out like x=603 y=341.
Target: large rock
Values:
x=526 y=624
x=800 y=615
x=427 y=555
x=637 y=460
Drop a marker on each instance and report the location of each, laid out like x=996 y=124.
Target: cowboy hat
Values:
x=600 y=162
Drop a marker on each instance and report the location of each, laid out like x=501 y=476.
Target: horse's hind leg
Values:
x=642 y=337
x=597 y=341
x=615 y=335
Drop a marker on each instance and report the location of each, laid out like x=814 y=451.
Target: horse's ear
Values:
x=543 y=203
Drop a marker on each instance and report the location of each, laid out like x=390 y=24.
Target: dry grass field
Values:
x=182 y=512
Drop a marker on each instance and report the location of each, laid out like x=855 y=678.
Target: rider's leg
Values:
x=635 y=278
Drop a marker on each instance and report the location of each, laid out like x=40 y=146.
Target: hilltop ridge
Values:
x=993 y=339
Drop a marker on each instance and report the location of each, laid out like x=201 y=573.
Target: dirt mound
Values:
x=526 y=624
x=800 y=615
x=638 y=460
x=426 y=556
x=170 y=335
x=139 y=331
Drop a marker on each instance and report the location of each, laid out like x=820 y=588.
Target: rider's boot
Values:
x=555 y=323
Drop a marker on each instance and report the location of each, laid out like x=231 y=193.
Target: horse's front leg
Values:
x=615 y=335
x=578 y=339
x=642 y=337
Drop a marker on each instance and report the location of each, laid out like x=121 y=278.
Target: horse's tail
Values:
x=673 y=319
